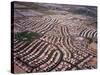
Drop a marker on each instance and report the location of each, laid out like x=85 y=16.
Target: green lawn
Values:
x=26 y=36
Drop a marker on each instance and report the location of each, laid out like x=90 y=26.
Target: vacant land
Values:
x=54 y=37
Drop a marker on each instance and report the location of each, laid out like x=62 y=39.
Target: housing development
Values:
x=54 y=37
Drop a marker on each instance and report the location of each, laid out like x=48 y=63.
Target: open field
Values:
x=62 y=37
